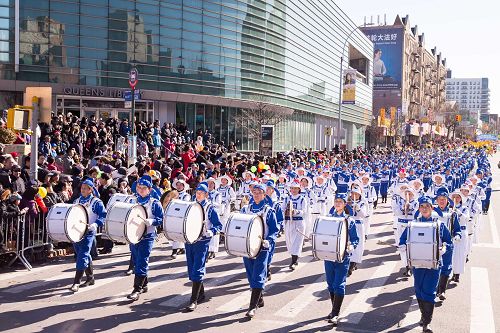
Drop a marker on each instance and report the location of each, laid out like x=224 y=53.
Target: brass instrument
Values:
x=407 y=203
x=289 y=211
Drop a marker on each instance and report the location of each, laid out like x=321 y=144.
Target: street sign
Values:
x=127 y=95
x=133 y=77
x=128 y=105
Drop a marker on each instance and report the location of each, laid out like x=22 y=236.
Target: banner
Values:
x=387 y=57
x=349 y=91
x=267 y=134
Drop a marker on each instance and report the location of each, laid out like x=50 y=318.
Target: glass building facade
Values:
x=285 y=50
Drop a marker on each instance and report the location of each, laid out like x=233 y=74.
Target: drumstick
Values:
x=300 y=232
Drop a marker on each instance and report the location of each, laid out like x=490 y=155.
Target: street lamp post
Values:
x=340 y=81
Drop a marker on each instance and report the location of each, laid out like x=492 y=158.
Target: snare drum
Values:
x=243 y=235
x=120 y=197
x=67 y=222
x=125 y=222
x=423 y=244
x=329 y=238
x=183 y=221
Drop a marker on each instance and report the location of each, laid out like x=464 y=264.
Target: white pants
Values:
x=460 y=253
x=367 y=224
x=213 y=246
x=294 y=239
x=177 y=245
x=399 y=231
x=357 y=255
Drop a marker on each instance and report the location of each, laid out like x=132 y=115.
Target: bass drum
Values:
x=183 y=221
x=422 y=246
x=243 y=235
x=67 y=222
x=125 y=222
x=329 y=238
x=119 y=197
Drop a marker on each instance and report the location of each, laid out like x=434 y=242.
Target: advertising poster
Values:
x=349 y=91
x=387 y=57
x=267 y=139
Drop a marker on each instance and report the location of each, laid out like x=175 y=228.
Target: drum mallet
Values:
x=300 y=232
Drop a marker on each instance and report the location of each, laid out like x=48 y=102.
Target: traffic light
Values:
x=458 y=118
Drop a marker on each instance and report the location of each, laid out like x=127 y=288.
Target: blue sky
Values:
x=467 y=33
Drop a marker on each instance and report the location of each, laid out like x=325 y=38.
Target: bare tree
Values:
x=261 y=112
x=449 y=110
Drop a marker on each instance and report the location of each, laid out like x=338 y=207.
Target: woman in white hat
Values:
x=244 y=190
x=418 y=187
x=320 y=194
x=216 y=201
x=181 y=186
x=296 y=209
x=473 y=208
x=369 y=195
x=305 y=190
x=228 y=196
x=404 y=206
x=357 y=208
x=437 y=183
x=460 y=246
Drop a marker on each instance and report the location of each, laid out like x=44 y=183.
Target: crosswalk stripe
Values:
x=372 y=288
x=412 y=316
x=240 y=301
x=481 y=319
x=302 y=300
x=220 y=279
x=493 y=226
x=34 y=284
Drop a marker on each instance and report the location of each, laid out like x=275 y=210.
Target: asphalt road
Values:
x=378 y=298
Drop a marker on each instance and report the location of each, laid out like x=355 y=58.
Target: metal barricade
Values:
x=12 y=235
x=34 y=237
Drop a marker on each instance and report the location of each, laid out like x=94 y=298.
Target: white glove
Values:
x=93 y=227
x=350 y=248
x=149 y=222
x=209 y=234
x=402 y=248
x=442 y=250
x=265 y=244
x=457 y=238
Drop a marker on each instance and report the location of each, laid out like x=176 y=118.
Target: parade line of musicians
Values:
x=448 y=187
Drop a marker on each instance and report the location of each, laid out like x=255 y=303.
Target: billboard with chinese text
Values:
x=349 y=91
x=387 y=57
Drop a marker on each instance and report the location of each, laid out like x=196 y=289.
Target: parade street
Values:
x=378 y=298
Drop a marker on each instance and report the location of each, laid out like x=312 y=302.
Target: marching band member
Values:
x=142 y=250
x=320 y=194
x=473 y=208
x=404 y=207
x=296 y=208
x=418 y=186
x=344 y=178
x=450 y=220
x=256 y=269
x=216 y=200
x=336 y=272
x=369 y=196
x=376 y=176
x=227 y=196
x=426 y=280
x=96 y=215
x=276 y=206
x=305 y=186
x=196 y=253
x=181 y=186
x=437 y=183
x=460 y=246
x=400 y=179
x=357 y=208
x=384 y=182
x=244 y=190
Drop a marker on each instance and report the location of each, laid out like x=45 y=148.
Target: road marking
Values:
x=33 y=284
x=412 y=316
x=222 y=278
x=372 y=288
x=299 y=303
x=241 y=301
x=481 y=317
x=493 y=226
x=487 y=245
